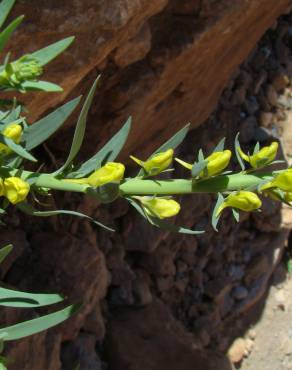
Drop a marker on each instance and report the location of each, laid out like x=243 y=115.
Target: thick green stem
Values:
x=179 y=186
x=138 y=186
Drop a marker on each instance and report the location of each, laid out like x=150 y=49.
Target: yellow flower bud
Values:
x=283 y=181
x=158 y=163
x=25 y=68
x=110 y=172
x=263 y=157
x=15 y=189
x=1 y=187
x=217 y=162
x=13 y=132
x=243 y=200
x=160 y=207
x=288 y=196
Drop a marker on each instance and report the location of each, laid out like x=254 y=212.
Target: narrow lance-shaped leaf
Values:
x=172 y=143
x=30 y=327
x=45 y=55
x=41 y=86
x=7 y=32
x=220 y=146
x=5 y=251
x=235 y=213
x=41 y=130
x=237 y=145
x=27 y=208
x=12 y=115
x=215 y=217
x=80 y=128
x=256 y=148
x=5 y=7
x=201 y=157
x=18 y=149
x=198 y=168
x=13 y=298
x=107 y=154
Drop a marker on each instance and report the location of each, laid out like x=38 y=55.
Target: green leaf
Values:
x=18 y=149
x=201 y=157
x=7 y=32
x=80 y=128
x=45 y=55
x=172 y=143
x=220 y=146
x=256 y=148
x=198 y=167
x=161 y=223
x=289 y=267
x=30 y=327
x=106 y=193
x=41 y=86
x=41 y=130
x=12 y=298
x=107 y=154
x=235 y=213
x=5 y=7
x=28 y=209
x=216 y=218
x=237 y=145
x=5 y=251
x=12 y=115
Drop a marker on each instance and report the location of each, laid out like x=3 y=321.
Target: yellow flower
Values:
x=160 y=207
x=158 y=163
x=217 y=162
x=1 y=187
x=263 y=157
x=110 y=172
x=283 y=182
x=15 y=189
x=288 y=197
x=243 y=200
x=13 y=132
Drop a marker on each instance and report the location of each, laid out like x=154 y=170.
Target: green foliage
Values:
x=80 y=128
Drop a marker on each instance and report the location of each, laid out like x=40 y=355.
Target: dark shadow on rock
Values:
x=151 y=339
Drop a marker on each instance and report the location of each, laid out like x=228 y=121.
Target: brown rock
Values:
x=135 y=49
x=81 y=352
x=266 y=119
x=150 y=339
x=65 y=264
x=157 y=92
x=280 y=81
x=256 y=268
x=141 y=287
x=160 y=262
x=18 y=239
x=41 y=351
x=272 y=95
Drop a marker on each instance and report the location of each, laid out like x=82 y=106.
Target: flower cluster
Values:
x=24 y=69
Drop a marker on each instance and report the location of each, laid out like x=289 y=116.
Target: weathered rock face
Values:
x=163 y=62
x=151 y=339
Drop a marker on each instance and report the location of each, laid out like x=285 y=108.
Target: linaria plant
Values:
x=103 y=178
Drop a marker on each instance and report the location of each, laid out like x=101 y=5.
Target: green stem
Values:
x=138 y=186
x=179 y=186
